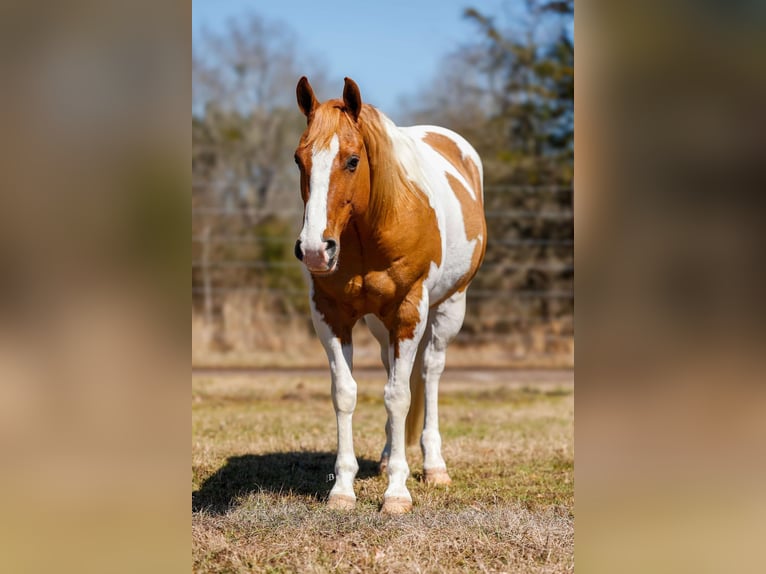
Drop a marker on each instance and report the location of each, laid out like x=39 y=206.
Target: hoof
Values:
x=341 y=502
x=396 y=505
x=436 y=477
x=383 y=465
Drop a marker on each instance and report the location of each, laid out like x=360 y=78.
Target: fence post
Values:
x=206 y=280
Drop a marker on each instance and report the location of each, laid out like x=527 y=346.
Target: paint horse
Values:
x=393 y=232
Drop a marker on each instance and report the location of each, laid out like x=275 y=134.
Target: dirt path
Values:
x=451 y=374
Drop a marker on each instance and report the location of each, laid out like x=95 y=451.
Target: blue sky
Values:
x=391 y=48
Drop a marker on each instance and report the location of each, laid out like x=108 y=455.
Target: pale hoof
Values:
x=341 y=502
x=383 y=465
x=396 y=505
x=436 y=477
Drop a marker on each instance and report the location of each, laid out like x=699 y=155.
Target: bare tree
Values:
x=243 y=93
x=245 y=125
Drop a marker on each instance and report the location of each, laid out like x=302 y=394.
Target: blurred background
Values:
x=94 y=248
x=501 y=74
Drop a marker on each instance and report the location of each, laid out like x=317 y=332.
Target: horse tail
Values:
x=413 y=426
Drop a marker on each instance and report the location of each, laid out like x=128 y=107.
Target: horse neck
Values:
x=391 y=191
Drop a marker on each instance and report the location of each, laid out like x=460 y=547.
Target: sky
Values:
x=390 y=48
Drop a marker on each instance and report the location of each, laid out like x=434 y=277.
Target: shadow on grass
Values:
x=301 y=473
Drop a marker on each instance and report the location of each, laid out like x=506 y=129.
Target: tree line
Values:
x=509 y=90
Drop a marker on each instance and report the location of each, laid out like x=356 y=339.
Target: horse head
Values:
x=335 y=174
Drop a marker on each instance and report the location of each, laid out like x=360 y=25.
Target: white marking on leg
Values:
x=344 y=401
x=340 y=357
x=315 y=219
x=379 y=331
x=430 y=440
x=446 y=321
x=397 y=399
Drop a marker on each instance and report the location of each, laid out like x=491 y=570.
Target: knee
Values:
x=397 y=399
x=344 y=394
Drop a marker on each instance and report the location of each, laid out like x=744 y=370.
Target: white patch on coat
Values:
x=427 y=168
x=466 y=150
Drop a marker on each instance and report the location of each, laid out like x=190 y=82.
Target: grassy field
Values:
x=263 y=453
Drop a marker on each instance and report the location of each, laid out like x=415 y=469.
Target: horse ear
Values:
x=306 y=100
x=352 y=99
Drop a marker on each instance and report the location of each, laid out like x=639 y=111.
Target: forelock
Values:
x=326 y=121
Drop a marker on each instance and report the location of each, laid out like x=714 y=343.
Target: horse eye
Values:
x=352 y=162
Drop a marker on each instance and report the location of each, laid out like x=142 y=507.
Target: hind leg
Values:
x=379 y=331
x=445 y=322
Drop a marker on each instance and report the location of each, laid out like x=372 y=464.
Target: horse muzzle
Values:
x=320 y=261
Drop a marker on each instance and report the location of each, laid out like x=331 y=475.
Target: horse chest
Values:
x=361 y=293
x=371 y=292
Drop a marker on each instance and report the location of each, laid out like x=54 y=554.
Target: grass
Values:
x=263 y=452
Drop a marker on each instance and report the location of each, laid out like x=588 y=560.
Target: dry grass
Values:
x=263 y=449
x=244 y=336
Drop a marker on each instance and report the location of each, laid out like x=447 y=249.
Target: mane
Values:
x=391 y=190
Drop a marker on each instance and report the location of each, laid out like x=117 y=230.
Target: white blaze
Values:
x=315 y=219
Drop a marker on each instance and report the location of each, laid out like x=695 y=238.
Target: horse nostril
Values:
x=298 y=251
x=331 y=247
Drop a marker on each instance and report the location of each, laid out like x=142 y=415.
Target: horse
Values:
x=393 y=233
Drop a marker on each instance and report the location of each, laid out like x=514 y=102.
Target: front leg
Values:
x=405 y=334
x=335 y=335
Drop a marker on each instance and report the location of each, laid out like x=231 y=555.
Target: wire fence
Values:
x=246 y=281
x=234 y=239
